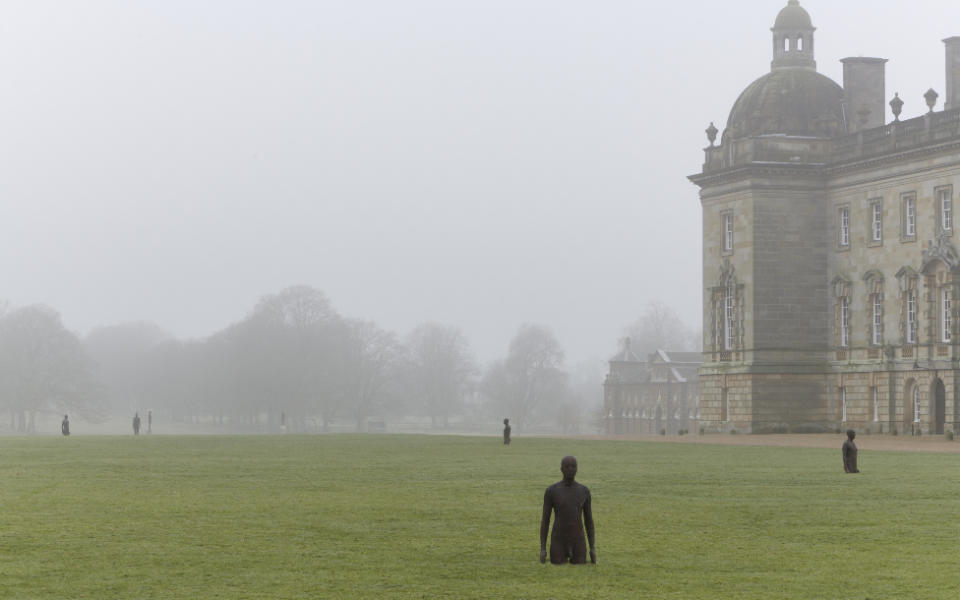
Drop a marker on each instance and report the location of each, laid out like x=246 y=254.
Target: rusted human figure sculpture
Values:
x=569 y=501
x=506 y=431
x=849 y=450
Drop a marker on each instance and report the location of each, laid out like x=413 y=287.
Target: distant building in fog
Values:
x=830 y=267
x=647 y=396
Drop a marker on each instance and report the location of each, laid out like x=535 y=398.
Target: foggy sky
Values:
x=479 y=164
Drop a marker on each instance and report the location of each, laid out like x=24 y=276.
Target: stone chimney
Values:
x=952 y=99
x=864 y=101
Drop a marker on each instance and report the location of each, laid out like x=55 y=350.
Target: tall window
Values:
x=876 y=405
x=876 y=328
x=844 y=226
x=909 y=216
x=728 y=318
x=945 y=208
x=876 y=221
x=728 y=232
x=717 y=325
x=843 y=404
x=945 y=319
x=844 y=321
x=916 y=403
x=911 y=316
x=724 y=405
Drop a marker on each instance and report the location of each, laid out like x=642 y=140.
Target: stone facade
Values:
x=659 y=395
x=829 y=261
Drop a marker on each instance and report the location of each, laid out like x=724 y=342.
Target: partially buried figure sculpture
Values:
x=569 y=502
x=849 y=450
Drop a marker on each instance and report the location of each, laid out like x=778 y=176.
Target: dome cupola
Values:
x=793 y=38
x=792 y=99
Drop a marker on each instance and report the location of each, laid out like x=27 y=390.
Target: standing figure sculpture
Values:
x=65 y=426
x=506 y=431
x=569 y=502
x=849 y=450
x=136 y=423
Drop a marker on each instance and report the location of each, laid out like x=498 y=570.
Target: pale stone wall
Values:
x=785 y=190
x=789 y=295
x=649 y=407
x=895 y=400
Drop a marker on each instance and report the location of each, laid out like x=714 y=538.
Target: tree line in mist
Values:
x=295 y=359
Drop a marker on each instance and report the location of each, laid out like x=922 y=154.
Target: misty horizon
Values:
x=480 y=166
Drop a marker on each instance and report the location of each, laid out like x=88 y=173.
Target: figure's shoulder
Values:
x=584 y=489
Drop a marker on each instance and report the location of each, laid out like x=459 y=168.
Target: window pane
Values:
x=844 y=320
x=911 y=317
x=910 y=217
x=877 y=222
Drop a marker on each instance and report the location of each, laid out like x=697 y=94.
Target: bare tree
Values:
x=660 y=328
x=440 y=369
x=299 y=307
x=43 y=368
x=370 y=363
x=120 y=353
x=531 y=376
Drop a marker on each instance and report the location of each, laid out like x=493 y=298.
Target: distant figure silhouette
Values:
x=149 y=421
x=569 y=501
x=506 y=431
x=136 y=423
x=65 y=426
x=849 y=450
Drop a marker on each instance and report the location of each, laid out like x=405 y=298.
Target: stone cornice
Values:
x=898 y=156
x=812 y=175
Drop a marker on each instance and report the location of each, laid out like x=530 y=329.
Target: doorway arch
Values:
x=939 y=416
x=911 y=399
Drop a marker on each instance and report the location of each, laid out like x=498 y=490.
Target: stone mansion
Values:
x=831 y=275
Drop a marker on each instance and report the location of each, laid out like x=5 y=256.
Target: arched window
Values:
x=876 y=405
x=844 y=321
x=945 y=320
x=876 y=329
x=916 y=403
x=843 y=405
x=728 y=317
x=907 y=282
x=800 y=43
x=727 y=312
x=841 y=291
x=911 y=316
x=874 y=281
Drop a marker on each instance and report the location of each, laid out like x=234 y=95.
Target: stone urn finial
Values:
x=931 y=98
x=896 y=105
x=711 y=133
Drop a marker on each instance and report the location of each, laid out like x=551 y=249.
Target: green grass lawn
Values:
x=458 y=517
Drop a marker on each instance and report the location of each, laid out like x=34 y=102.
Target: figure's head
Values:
x=64 y=417
x=568 y=466
x=506 y=421
x=851 y=434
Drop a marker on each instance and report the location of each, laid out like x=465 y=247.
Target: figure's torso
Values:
x=568 y=502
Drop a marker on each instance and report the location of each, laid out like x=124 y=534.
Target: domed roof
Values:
x=793 y=17
x=787 y=101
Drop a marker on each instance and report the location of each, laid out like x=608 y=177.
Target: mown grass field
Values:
x=457 y=517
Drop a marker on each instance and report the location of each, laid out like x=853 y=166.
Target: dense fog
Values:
x=294 y=364
x=481 y=198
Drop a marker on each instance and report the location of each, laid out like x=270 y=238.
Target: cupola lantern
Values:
x=793 y=38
